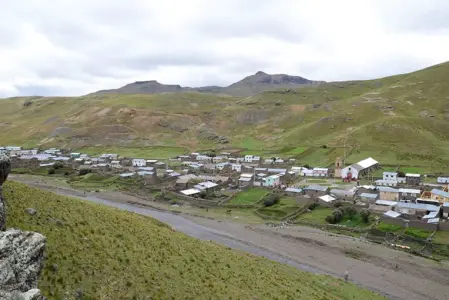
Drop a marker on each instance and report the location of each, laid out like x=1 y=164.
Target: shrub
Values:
x=67 y=173
x=203 y=194
x=338 y=215
x=271 y=200
x=337 y=204
x=324 y=147
x=349 y=211
x=84 y=172
x=51 y=171
x=313 y=205
x=306 y=166
x=365 y=213
x=330 y=219
x=58 y=165
x=401 y=174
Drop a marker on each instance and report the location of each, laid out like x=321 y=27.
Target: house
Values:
x=236 y=167
x=251 y=158
x=386 y=203
x=245 y=181
x=191 y=192
x=401 y=180
x=139 y=162
x=343 y=194
x=207 y=185
x=392 y=214
x=276 y=171
x=151 y=162
x=291 y=191
x=320 y=172
x=355 y=171
x=439 y=195
x=413 y=179
x=446 y=209
x=409 y=194
x=272 y=181
x=315 y=191
x=306 y=172
x=75 y=155
x=148 y=169
x=366 y=197
x=326 y=200
x=444 y=180
x=388 y=193
x=126 y=175
x=390 y=176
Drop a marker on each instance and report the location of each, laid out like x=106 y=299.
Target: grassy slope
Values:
x=386 y=118
x=111 y=254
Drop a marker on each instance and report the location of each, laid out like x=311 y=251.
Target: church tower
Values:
x=338 y=167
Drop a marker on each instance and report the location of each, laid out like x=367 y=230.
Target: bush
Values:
x=349 y=211
x=271 y=200
x=401 y=174
x=58 y=165
x=365 y=213
x=331 y=219
x=324 y=147
x=313 y=205
x=66 y=173
x=306 y=166
x=338 y=215
x=51 y=171
x=203 y=194
x=337 y=204
x=84 y=172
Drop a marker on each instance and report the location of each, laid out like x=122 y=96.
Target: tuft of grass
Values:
x=112 y=254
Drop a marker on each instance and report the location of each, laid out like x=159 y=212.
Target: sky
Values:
x=71 y=48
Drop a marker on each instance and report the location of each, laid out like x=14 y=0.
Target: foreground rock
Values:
x=21 y=258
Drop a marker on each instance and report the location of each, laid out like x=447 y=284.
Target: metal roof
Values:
x=143 y=173
x=386 y=189
x=366 y=195
x=208 y=184
x=410 y=191
x=190 y=192
x=390 y=173
x=367 y=163
x=246 y=175
x=316 y=188
x=126 y=175
x=342 y=192
x=293 y=190
x=446 y=204
x=428 y=207
x=440 y=193
x=386 y=202
x=245 y=179
x=412 y=175
x=392 y=214
x=431 y=215
x=434 y=220
x=327 y=198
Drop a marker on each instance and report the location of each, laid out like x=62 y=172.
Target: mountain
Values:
x=248 y=86
x=97 y=252
x=398 y=120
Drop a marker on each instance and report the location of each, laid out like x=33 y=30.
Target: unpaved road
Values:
x=370 y=265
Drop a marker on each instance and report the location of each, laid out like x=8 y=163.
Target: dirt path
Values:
x=370 y=265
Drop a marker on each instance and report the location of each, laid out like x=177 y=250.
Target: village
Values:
x=226 y=180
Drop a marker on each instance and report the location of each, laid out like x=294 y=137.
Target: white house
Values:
x=251 y=158
x=139 y=162
x=236 y=167
x=443 y=180
x=359 y=169
x=390 y=176
x=320 y=172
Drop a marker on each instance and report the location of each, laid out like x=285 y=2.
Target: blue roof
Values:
x=440 y=193
x=366 y=195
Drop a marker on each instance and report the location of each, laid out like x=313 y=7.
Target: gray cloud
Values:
x=76 y=47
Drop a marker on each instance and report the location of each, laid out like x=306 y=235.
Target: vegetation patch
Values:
x=250 y=196
x=105 y=253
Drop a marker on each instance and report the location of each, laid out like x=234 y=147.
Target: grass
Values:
x=441 y=237
x=111 y=254
x=286 y=206
x=250 y=196
x=154 y=152
x=418 y=233
x=317 y=216
x=389 y=228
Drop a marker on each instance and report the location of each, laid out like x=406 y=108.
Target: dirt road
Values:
x=370 y=265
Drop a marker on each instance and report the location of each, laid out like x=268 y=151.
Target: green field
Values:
x=286 y=206
x=250 y=196
x=151 y=152
x=111 y=254
x=389 y=228
x=317 y=216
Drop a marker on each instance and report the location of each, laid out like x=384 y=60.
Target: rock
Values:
x=5 y=168
x=21 y=257
x=54 y=267
x=31 y=211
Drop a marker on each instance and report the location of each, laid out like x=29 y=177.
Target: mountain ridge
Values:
x=249 y=85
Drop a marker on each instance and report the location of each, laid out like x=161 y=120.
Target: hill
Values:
x=104 y=253
x=248 y=86
x=400 y=120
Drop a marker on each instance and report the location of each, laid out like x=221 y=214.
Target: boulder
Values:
x=21 y=258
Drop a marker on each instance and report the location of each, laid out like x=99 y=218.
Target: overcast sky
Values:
x=73 y=47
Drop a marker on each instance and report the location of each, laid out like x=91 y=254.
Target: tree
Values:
x=401 y=174
x=349 y=211
x=306 y=166
x=338 y=215
x=365 y=213
x=271 y=200
x=58 y=165
x=51 y=171
x=84 y=172
x=330 y=219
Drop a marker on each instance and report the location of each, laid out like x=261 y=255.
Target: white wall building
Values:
x=139 y=162
x=360 y=168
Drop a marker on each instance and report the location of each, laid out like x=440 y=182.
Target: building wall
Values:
x=439 y=198
x=389 y=196
x=345 y=171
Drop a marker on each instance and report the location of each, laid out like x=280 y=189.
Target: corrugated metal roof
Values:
x=446 y=204
x=428 y=207
x=390 y=173
x=433 y=221
x=431 y=215
x=316 y=188
x=190 y=192
x=392 y=214
x=410 y=191
x=386 y=202
x=366 y=163
x=342 y=192
x=386 y=189
x=366 y=195
x=412 y=175
x=440 y=193
x=327 y=198
x=245 y=179
x=293 y=190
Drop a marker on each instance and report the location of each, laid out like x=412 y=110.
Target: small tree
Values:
x=330 y=219
x=365 y=213
x=271 y=200
x=401 y=174
x=84 y=172
x=58 y=165
x=313 y=205
x=338 y=215
x=337 y=204
x=306 y=166
x=51 y=171
x=349 y=211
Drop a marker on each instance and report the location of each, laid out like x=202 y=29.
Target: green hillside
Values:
x=110 y=254
x=401 y=120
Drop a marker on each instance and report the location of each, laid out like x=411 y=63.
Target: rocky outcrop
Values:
x=21 y=257
x=21 y=253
